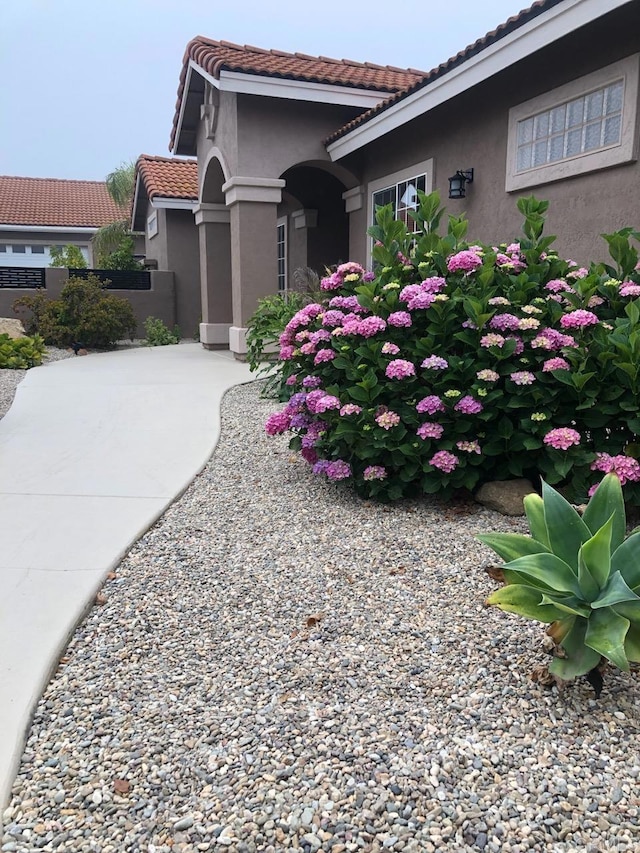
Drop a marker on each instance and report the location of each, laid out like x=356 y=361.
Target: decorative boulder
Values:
x=13 y=328
x=505 y=496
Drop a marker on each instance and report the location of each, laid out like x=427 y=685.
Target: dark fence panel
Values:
x=119 y=279
x=30 y=277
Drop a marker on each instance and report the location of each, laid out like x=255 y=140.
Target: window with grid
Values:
x=588 y=123
x=281 y=237
x=403 y=196
x=585 y=125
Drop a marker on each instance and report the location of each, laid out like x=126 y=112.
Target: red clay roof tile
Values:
x=56 y=202
x=216 y=56
x=168 y=177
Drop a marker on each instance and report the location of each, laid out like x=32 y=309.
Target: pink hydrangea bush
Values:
x=458 y=363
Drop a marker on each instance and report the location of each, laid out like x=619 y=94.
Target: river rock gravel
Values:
x=279 y=665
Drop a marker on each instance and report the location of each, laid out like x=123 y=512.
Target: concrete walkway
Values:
x=92 y=452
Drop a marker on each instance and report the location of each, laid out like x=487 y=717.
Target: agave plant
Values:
x=578 y=573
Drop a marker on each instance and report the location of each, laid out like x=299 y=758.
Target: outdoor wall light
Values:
x=458 y=182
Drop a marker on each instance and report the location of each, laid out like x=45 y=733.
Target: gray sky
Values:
x=87 y=84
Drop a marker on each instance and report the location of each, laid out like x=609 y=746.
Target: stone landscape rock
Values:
x=505 y=496
x=11 y=327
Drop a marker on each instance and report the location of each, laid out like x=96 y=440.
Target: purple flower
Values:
x=387 y=419
x=551 y=339
x=321 y=466
x=430 y=430
x=628 y=288
x=468 y=406
x=624 y=467
x=444 y=461
x=311 y=382
x=320 y=335
x=338 y=470
x=399 y=368
x=581 y=273
x=499 y=300
x=522 y=377
x=308 y=349
x=390 y=349
x=313 y=397
x=324 y=355
x=374 y=472
x=370 y=326
x=430 y=405
x=435 y=362
x=309 y=455
x=555 y=364
x=291 y=380
x=399 y=318
x=492 y=340
x=421 y=301
x=332 y=318
x=504 y=322
x=578 y=319
x=519 y=344
x=350 y=409
x=327 y=402
x=331 y=282
x=277 y=422
x=562 y=438
x=300 y=421
x=286 y=352
x=368 y=276
x=469 y=324
x=557 y=285
x=465 y=261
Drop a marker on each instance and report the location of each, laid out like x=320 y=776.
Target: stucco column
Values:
x=215 y=274
x=253 y=203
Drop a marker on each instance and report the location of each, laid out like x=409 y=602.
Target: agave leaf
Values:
x=548 y=568
x=580 y=658
x=534 y=509
x=606 y=633
x=567 y=531
x=568 y=604
x=632 y=644
x=558 y=630
x=615 y=592
x=630 y=610
x=596 y=553
x=589 y=587
x=605 y=503
x=510 y=546
x=525 y=601
x=626 y=560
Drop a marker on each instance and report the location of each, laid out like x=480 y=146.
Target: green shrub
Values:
x=263 y=334
x=69 y=256
x=22 y=353
x=454 y=364
x=158 y=335
x=85 y=313
x=579 y=574
x=121 y=257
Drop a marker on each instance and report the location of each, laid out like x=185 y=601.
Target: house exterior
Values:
x=38 y=213
x=294 y=152
x=166 y=195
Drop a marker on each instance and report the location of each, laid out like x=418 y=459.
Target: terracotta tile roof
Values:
x=168 y=177
x=460 y=58
x=216 y=56
x=52 y=201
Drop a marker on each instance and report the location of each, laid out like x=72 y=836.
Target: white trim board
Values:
x=550 y=26
x=51 y=229
x=174 y=203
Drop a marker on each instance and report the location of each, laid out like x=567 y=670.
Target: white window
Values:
x=281 y=237
x=37 y=250
x=400 y=189
x=152 y=224
x=586 y=125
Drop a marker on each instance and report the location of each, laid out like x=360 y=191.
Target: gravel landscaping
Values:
x=279 y=665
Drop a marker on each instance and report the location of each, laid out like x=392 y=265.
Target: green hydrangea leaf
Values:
x=567 y=531
x=553 y=572
x=534 y=509
x=596 y=553
x=626 y=560
x=606 y=634
x=525 y=601
x=607 y=502
x=615 y=592
x=510 y=546
x=580 y=657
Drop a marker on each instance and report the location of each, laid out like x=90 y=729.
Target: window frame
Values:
x=589 y=161
x=417 y=170
x=281 y=223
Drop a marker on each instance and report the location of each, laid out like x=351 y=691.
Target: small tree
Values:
x=113 y=242
x=68 y=256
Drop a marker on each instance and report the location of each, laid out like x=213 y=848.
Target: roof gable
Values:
x=168 y=177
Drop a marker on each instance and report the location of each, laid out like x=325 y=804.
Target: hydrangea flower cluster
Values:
x=562 y=438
